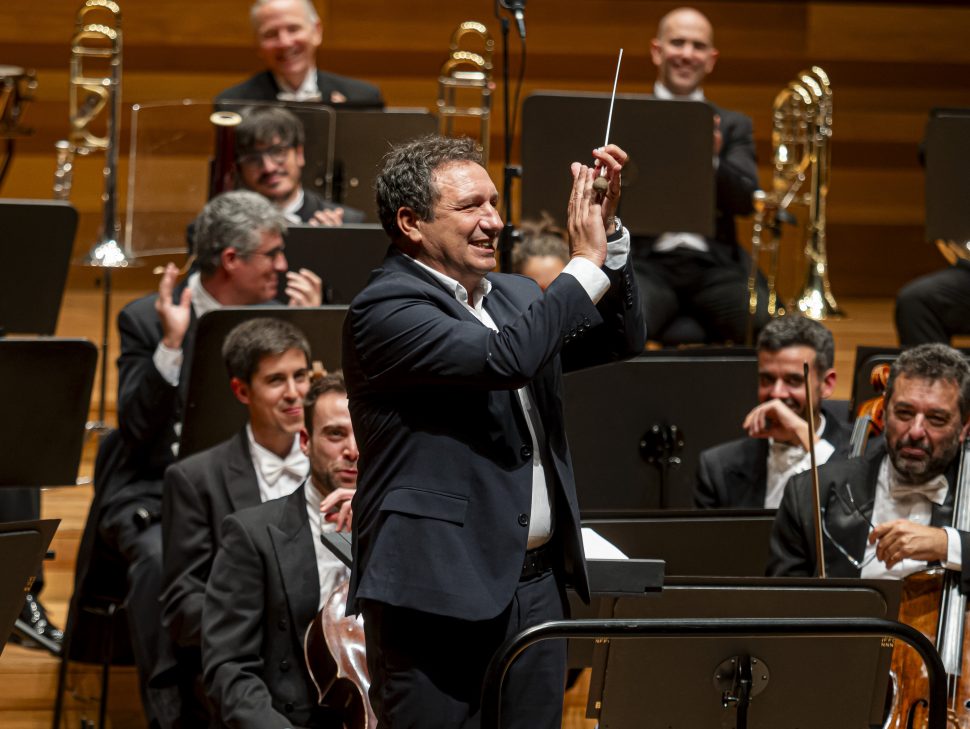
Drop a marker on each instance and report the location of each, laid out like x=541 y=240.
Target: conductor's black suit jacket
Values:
x=441 y=514
x=199 y=492
x=793 y=535
x=262 y=594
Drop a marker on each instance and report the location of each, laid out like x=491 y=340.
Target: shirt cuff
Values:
x=617 y=249
x=823 y=452
x=590 y=277
x=954 y=554
x=168 y=362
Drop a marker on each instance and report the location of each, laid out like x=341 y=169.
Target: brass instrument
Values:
x=801 y=143
x=465 y=72
x=93 y=97
x=16 y=89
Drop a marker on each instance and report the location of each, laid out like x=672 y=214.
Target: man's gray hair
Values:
x=934 y=362
x=407 y=177
x=794 y=330
x=311 y=12
x=233 y=220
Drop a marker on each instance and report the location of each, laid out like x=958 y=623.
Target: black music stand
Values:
x=683 y=540
x=669 y=183
x=38 y=379
x=38 y=236
x=23 y=545
x=319 y=123
x=684 y=683
x=636 y=428
x=362 y=139
x=343 y=257
x=947 y=148
x=212 y=413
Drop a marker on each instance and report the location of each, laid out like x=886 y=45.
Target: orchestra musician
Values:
x=271 y=576
x=888 y=513
x=541 y=252
x=268 y=361
x=466 y=526
x=288 y=34
x=935 y=307
x=684 y=273
x=751 y=472
x=269 y=159
x=240 y=255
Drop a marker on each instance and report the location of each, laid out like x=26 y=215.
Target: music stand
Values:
x=669 y=182
x=362 y=139
x=23 y=545
x=343 y=257
x=212 y=413
x=40 y=378
x=658 y=410
x=683 y=540
x=947 y=186
x=38 y=236
x=652 y=683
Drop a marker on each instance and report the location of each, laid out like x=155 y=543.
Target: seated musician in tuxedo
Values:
x=288 y=34
x=271 y=576
x=751 y=472
x=935 y=307
x=270 y=161
x=888 y=514
x=268 y=363
x=684 y=273
x=240 y=255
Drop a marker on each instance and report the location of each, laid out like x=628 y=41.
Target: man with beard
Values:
x=751 y=472
x=272 y=575
x=887 y=514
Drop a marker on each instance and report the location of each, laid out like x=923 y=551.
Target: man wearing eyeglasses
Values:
x=751 y=472
x=239 y=245
x=888 y=514
x=270 y=160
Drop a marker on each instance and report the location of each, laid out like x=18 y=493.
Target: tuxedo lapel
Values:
x=239 y=475
x=296 y=559
x=748 y=476
x=851 y=529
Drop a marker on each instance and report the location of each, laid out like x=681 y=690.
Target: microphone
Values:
x=518 y=12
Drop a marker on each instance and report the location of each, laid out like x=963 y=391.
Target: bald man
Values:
x=684 y=273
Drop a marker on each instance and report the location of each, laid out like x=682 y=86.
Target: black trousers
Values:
x=934 y=307
x=710 y=288
x=427 y=670
x=18 y=504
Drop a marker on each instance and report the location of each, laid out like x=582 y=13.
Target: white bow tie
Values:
x=934 y=490
x=295 y=464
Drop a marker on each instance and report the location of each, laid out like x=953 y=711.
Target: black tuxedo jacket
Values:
x=734 y=475
x=262 y=594
x=793 y=535
x=441 y=513
x=313 y=202
x=263 y=87
x=736 y=180
x=198 y=494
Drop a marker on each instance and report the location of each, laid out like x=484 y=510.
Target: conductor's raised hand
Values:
x=175 y=318
x=584 y=217
x=613 y=159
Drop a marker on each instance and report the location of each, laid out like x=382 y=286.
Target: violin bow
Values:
x=816 y=498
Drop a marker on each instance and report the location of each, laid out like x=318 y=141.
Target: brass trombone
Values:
x=467 y=71
x=801 y=143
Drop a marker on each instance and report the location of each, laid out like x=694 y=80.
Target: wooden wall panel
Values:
x=890 y=62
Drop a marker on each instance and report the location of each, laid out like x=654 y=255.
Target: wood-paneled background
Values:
x=889 y=64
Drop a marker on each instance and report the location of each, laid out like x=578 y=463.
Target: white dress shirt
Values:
x=785 y=461
x=307 y=91
x=330 y=570
x=896 y=500
x=667 y=242
x=596 y=284
x=275 y=476
x=290 y=211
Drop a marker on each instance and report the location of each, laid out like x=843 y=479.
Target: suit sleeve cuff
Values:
x=168 y=362
x=954 y=550
x=590 y=277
